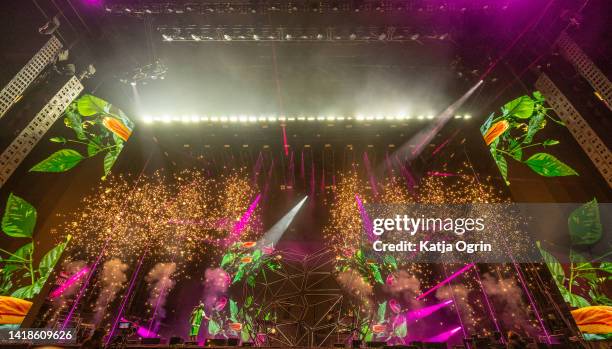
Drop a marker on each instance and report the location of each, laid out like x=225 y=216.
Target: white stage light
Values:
x=278 y=229
x=467 y=116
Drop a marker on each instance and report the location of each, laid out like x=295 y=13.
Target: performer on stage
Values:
x=195 y=320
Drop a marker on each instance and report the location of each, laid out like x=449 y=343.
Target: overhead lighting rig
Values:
x=145 y=74
x=209 y=33
x=271 y=119
x=301 y=6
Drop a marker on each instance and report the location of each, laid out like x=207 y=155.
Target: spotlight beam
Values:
x=445 y=281
x=278 y=229
x=413 y=148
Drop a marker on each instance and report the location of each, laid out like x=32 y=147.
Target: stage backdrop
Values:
x=97 y=132
x=526 y=139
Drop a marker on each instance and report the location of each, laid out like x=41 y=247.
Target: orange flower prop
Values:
x=249 y=244
x=495 y=131
x=594 y=319
x=235 y=326
x=117 y=127
x=246 y=259
x=379 y=328
x=13 y=310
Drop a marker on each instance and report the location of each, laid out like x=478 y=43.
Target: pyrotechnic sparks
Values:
x=184 y=217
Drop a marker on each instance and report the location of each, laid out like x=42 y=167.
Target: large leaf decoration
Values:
x=401 y=331
x=19 y=218
x=376 y=273
x=213 y=327
x=26 y=292
x=573 y=299
x=584 y=224
x=382 y=309
x=227 y=259
x=47 y=263
x=391 y=261
x=549 y=166
x=502 y=165
x=487 y=124
x=73 y=120
x=536 y=123
x=233 y=310
x=60 y=161
x=22 y=254
x=553 y=265
x=521 y=107
x=89 y=105
x=109 y=160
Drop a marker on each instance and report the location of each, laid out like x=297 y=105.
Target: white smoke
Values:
x=216 y=283
x=354 y=284
x=460 y=294
x=507 y=295
x=111 y=280
x=159 y=280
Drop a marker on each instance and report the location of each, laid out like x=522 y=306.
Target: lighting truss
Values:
x=306 y=304
x=226 y=33
x=244 y=7
x=253 y=119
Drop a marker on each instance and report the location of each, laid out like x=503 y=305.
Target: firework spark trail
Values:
x=160 y=283
x=99 y=258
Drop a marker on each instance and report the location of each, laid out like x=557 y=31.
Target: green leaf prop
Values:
x=584 y=224
x=391 y=261
x=553 y=265
x=549 y=166
x=25 y=292
x=109 y=161
x=502 y=165
x=536 y=123
x=60 y=161
x=521 y=107
x=382 y=309
x=58 y=140
x=549 y=142
x=19 y=218
x=401 y=331
x=573 y=299
x=47 y=263
x=487 y=124
x=22 y=254
x=376 y=273
x=239 y=275
x=73 y=120
x=233 y=310
x=89 y=105
x=213 y=327
x=248 y=301
x=606 y=266
x=227 y=259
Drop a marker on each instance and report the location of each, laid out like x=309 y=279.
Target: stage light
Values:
x=290 y=118
x=467 y=116
x=341 y=118
x=359 y=118
x=271 y=118
x=319 y=36
x=255 y=37
x=331 y=118
x=243 y=118
x=282 y=118
x=167 y=37
x=195 y=37
x=262 y=118
x=278 y=229
x=166 y=118
x=204 y=118
x=420 y=117
x=301 y=118
x=430 y=116
x=253 y=118
x=195 y=118
x=311 y=118
x=223 y=119
x=457 y=116
x=320 y=118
